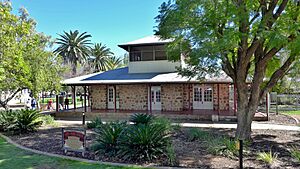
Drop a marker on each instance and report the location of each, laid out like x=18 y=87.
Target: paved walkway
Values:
x=255 y=125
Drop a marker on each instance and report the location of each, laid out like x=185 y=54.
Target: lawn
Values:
x=15 y=158
x=295 y=112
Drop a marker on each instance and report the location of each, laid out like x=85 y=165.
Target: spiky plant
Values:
x=144 y=142
x=107 y=138
x=28 y=121
x=140 y=118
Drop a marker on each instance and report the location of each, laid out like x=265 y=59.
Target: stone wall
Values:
x=133 y=97
x=187 y=96
x=224 y=96
x=98 y=96
x=172 y=97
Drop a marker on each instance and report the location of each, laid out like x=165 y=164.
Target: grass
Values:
x=267 y=157
x=295 y=153
x=295 y=112
x=13 y=157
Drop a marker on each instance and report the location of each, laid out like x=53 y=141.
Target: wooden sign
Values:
x=73 y=140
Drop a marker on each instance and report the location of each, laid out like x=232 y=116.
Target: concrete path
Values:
x=255 y=125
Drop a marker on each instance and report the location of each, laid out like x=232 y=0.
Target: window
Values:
x=147 y=53
x=160 y=55
x=197 y=94
x=158 y=96
x=110 y=95
x=152 y=96
x=208 y=94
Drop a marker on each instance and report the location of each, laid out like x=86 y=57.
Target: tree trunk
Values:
x=245 y=117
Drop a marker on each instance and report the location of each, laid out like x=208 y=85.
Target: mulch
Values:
x=188 y=153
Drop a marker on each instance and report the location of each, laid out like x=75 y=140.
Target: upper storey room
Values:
x=148 y=55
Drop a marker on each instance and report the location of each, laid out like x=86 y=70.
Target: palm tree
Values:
x=73 y=47
x=99 y=57
x=114 y=62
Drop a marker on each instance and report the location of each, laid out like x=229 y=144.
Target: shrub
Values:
x=107 y=136
x=295 y=153
x=197 y=134
x=140 y=118
x=94 y=123
x=28 y=120
x=48 y=120
x=144 y=142
x=221 y=145
x=8 y=120
x=171 y=155
x=267 y=157
x=164 y=123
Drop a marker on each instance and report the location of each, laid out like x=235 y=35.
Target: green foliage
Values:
x=244 y=39
x=223 y=146
x=140 y=118
x=107 y=138
x=8 y=120
x=20 y=121
x=295 y=153
x=100 y=57
x=73 y=47
x=170 y=152
x=114 y=62
x=94 y=123
x=48 y=120
x=164 y=123
x=24 y=60
x=144 y=142
x=28 y=121
x=267 y=157
x=197 y=134
x=216 y=144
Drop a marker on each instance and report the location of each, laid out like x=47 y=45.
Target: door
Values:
x=111 y=98
x=155 y=97
x=203 y=97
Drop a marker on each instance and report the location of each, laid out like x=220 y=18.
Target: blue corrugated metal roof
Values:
x=121 y=74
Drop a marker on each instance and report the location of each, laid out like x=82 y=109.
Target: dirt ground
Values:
x=192 y=154
x=280 y=119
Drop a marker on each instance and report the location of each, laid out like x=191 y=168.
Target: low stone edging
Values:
x=78 y=159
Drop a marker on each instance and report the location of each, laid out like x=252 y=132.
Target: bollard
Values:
x=241 y=153
x=83 y=118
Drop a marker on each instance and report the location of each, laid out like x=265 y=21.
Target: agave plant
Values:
x=140 y=118
x=28 y=120
x=144 y=142
x=107 y=138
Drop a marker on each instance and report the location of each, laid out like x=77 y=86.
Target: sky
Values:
x=110 y=22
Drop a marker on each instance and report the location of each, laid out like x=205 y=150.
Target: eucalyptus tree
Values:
x=74 y=47
x=24 y=61
x=235 y=36
x=100 y=55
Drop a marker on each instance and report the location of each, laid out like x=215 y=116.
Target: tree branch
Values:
x=4 y=103
x=227 y=67
x=277 y=75
x=280 y=9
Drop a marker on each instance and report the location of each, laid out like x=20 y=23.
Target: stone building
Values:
x=151 y=83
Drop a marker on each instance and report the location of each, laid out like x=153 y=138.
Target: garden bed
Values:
x=188 y=153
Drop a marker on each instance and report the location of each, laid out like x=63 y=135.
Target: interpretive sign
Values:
x=73 y=140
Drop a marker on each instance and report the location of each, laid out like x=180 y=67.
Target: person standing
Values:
x=66 y=103
x=50 y=107
x=33 y=103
